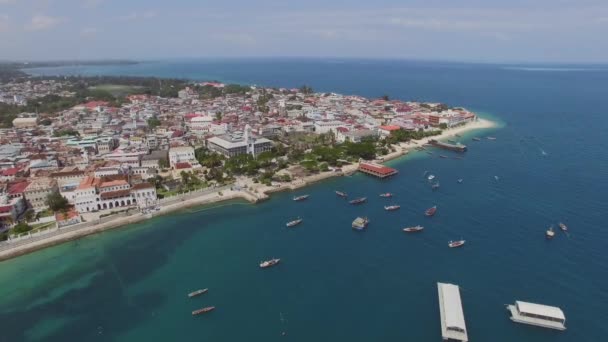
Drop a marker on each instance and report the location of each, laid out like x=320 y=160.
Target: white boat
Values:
x=391 y=207
x=413 y=229
x=360 y=223
x=294 y=222
x=431 y=177
x=454 y=244
x=537 y=314
x=460 y=180
x=550 y=233
x=563 y=227
x=269 y=263
x=496 y=177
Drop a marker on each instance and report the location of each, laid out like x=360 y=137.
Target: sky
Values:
x=555 y=31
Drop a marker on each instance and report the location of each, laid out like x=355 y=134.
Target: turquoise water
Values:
x=335 y=284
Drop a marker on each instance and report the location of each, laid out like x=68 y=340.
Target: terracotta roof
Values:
x=182 y=165
x=113 y=194
x=142 y=186
x=385 y=170
x=17 y=188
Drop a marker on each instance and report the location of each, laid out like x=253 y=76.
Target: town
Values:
x=125 y=152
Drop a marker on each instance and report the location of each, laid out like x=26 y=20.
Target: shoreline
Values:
x=254 y=194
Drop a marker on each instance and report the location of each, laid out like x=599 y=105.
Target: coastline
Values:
x=253 y=193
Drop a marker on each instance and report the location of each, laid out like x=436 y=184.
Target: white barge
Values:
x=537 y=314
x=453 y=327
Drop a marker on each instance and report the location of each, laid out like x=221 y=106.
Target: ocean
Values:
x=336 y=284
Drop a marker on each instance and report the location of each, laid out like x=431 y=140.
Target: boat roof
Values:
x=454 y=317
x=539 y=309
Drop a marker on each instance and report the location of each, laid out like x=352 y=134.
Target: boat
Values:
x=431 y=211
x=203 y=310
x=457 y=135
x=360 y=223
x=442 y=156
x=428 y=152
x=413 y=229
x=300 y=198
x=386 y=195
x=550 y=233
x=269 y=263
x=435 y=186
x=358 y=200
x=496 y=177
x=460 y=180
x=563 y=227
x=391 y=207
x=431 y=177
x=454 y=244
x=476 y=139
x=341 y=194
x=452 y=141
x=491 y=138
x=197 y=293
x=294 y=222
x=537 y=314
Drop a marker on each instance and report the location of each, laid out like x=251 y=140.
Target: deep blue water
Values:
x=335 y=284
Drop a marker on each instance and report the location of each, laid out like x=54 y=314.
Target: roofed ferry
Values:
x=537 y=314
x=453 y=327
x=377 y=170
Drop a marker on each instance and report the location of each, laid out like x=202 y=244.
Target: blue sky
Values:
x=562 y=31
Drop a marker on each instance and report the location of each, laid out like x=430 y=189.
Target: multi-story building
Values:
x=231 y=145
x=111 y=192
x=182 y=154
x=38 y=191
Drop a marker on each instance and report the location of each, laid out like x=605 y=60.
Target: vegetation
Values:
x=57 y=202
x=20 y=228
x=66 y=132
x=402 y=135
x=306 y=90
x=153 y=122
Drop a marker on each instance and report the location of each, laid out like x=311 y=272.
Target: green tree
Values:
x=29 y=215
x=385 y=97
x=153 y=122
x=443 y=125
x=218 y=116
x=21 y=228
x=57 y=202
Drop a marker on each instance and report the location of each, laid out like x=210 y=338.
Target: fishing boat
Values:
x=452 y=141
x=294 y=222
x=341 y=194
x=460 y=180
x=476 y=139
x=391 y=207
x=203 y=310
x=386 y=195
x=431 y=177
x=435 y=186
x=414 y=229
x=300 y=198
x=269 y=263
x=429 y=152
x=360 y=223
x=197 y=293
x=454 y=244
x=550 y=233
x=491 y=138
x=442 y=156
x=358 y=200
x=496 y=177
x=563 y=227
x=431 y=211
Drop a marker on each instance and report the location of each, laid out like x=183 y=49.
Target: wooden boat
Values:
x=341 y=194
x=491 y=138
x=442 y=156
x=431 y=211
x=358 y=200
x=391 y=207
x=460 y=180
x=386 y=195
x=550 y=233
x=300 y=198
x=269 y=263
x=563 y=227
x=360 y=223
x=197 y=293
x=414 y=229
x=294 y=222
x=476 y=139
x=203 y=310
x=435 y=186
x=454 y=244
x=429 y=152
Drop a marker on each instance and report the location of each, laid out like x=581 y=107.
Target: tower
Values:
x=250 y=141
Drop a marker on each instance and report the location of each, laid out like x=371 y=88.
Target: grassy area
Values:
x=117 y=89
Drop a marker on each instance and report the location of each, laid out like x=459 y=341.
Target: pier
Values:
x=452 y=317
x=377 y=170
x=446 y=146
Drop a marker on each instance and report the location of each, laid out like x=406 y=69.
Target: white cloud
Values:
x=89 y=32
x=235 y=38
x=90 y=3
x=42 y=22
x=139 y=15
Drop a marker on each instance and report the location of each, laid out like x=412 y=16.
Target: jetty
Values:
x=446 y=146
x=377 y=170
x=453 y=327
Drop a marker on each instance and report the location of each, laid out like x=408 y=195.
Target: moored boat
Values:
x=550 y=233
x=294 y=222
x=452 y=141
x=460 y=180
x=491 y=138
x=413 y=229
x=429 y=152
x=300 y=198
x=563 y=227
x=435 y=186
x=358 y=200
x=197 y=293
x=391 y=207
x=457 y=135
x=341 y=194
x=431 y=177
x=386 y=195
x=454 y=244
x=442 y=156
x=431 y=211
x=476 y=139
x=269 y=263
x=203 y=310
x=360 y=223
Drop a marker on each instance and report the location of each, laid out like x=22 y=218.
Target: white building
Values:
x=183 y=154
x=322 y=127
x=236 y=144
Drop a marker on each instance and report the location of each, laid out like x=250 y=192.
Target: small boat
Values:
x=431 y=177
x=550 y=233
x=420 y=148
x=414 y=229
x=457 y=135
x=428 y=152
x=454 y=244
x=300 y=198
x=360 y=223
x=435 y=186
x=386 y=195
x=269 y=263
x=358 y=200
x=458 y=158
x=476 y=139
x=442 y=156
x=563 y=227
x=294 y=222
x=491 y=138
x=452 y=141
x=391 y=207
x=197 y=293
x=496 y=177
x=203 y=310
x=341 y=194
x=431 y=211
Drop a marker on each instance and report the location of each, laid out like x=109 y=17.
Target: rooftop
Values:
x=539 y=309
